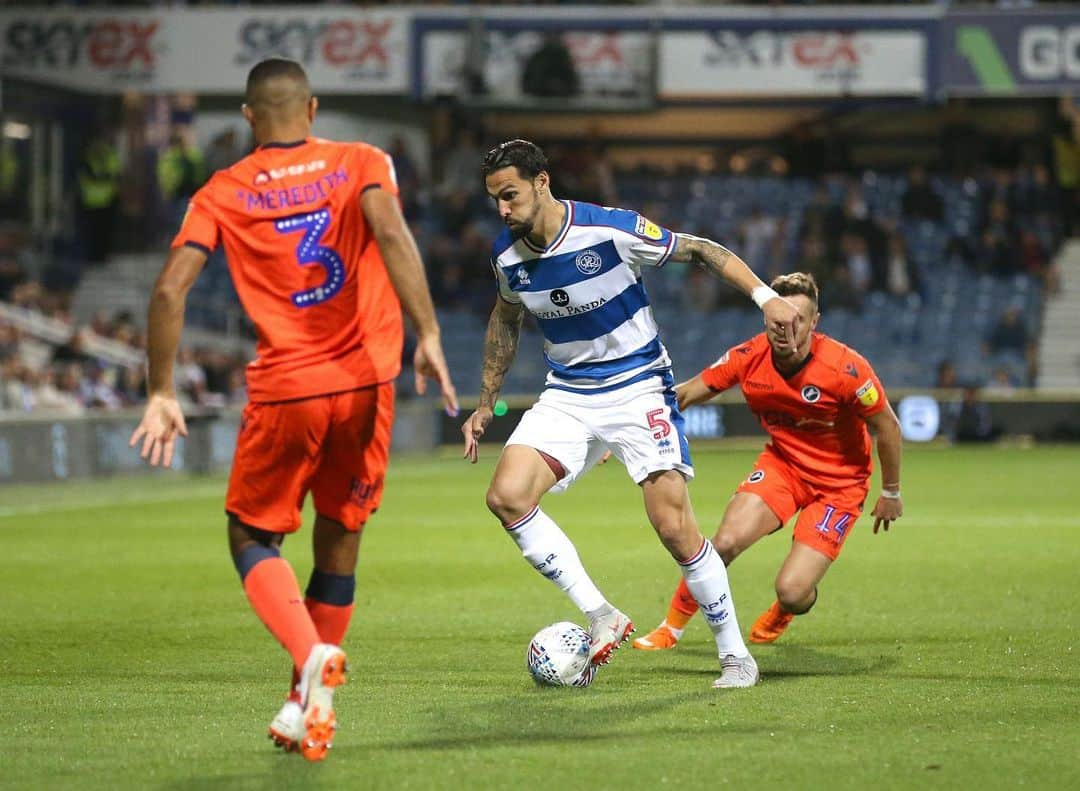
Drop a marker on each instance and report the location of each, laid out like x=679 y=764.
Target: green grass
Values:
x=943 y=654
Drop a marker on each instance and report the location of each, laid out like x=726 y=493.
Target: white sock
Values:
x=549 y=551
x=707 y=579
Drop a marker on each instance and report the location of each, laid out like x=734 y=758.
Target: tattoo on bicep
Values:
x=705 y=253
x=500 y=347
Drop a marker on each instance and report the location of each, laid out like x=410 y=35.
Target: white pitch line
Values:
x=218 y=490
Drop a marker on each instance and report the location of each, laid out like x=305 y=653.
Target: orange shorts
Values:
x=336 y=446
x=826 y=516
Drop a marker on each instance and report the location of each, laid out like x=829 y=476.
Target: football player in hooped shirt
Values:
x=576 y=268
x=323 y=263
x=816 y=403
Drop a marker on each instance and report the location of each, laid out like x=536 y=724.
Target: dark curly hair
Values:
x=527 y=157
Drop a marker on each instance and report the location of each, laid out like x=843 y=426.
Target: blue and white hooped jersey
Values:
x=586 y=293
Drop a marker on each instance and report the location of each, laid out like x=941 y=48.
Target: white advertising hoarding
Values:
x=609 y=64
x=205 y=51
x=765 y=63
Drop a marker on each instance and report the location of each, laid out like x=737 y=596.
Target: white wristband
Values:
x=890 y=495
x=762 y=294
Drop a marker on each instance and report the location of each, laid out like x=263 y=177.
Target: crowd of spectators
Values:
x=854 y=250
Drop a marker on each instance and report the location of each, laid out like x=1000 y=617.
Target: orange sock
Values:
x=274 y=593
x=331 y=623
x=682 y=608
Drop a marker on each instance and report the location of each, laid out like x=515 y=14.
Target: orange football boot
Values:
x=770 y=624
x=659 y=639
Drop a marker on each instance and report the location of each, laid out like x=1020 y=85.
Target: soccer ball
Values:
x=558 y=656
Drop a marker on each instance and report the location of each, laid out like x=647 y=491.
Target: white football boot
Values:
x=606 y=633
x=737 y=672
x=323 y=671
x=287 y=727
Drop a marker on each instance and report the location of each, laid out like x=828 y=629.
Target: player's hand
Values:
x=604 y=459
x=162 y=421
x=429 y=362
x=886 y=511
x=782 y=319
x=473 y=429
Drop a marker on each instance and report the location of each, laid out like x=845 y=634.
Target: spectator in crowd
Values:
x=12 y=198
x=550 y=72
x=1009 y=338
x=969 y=419
x=920 y=201
x=180 y=172
x=946 y=378
x=98 y=195
x=225 y=150
x=901 y=276
x=408 y=177
x=759 y=230
x=12 y=271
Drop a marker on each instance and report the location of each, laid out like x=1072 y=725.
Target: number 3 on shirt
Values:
x=309 y=251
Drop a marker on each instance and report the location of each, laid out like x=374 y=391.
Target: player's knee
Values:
x=727 y=547
x=506 y=503
x=794 y=594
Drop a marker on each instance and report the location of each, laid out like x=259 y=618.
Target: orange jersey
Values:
x=305 y=264
x=816 y=416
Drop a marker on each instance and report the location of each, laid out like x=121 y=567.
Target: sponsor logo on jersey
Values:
x=522 y=276
x=571 y=310
x=810 y=394
x=588 y=262
x=867 y=394
x=755 y=476
x=648 y=229
x=560 y=298
x=757 y=385
x=264 y=176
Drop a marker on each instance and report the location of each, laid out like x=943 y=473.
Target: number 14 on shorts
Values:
x=839 y=527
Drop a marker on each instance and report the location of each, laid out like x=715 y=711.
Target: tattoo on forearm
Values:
x=705 y=253
x=500 y=347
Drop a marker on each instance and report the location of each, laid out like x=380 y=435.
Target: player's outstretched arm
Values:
x=693 y=391
x=163 y=419
x=500 y=347
x=720 y=262
x=889 y=506
x=406 y=270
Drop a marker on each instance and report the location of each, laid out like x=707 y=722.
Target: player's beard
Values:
x=525 y=227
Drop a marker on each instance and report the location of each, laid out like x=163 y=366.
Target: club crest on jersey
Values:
x=588 y=262
x=560 y=298
x=648 y=229
x=755 y=476
x=810 y=394
x=867 y=394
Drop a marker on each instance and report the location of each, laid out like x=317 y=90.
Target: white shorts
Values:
x=640 y=424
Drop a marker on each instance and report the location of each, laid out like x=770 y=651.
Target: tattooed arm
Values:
x=720 y=262
x=500 y=347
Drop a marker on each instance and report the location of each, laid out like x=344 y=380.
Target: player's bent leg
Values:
x=746 y=519
x=667 y=503
x=521 y=477
x=796 y=592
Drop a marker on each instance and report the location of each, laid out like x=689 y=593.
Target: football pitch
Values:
x=944 y=654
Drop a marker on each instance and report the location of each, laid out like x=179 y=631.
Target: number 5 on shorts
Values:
x=661 y=426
